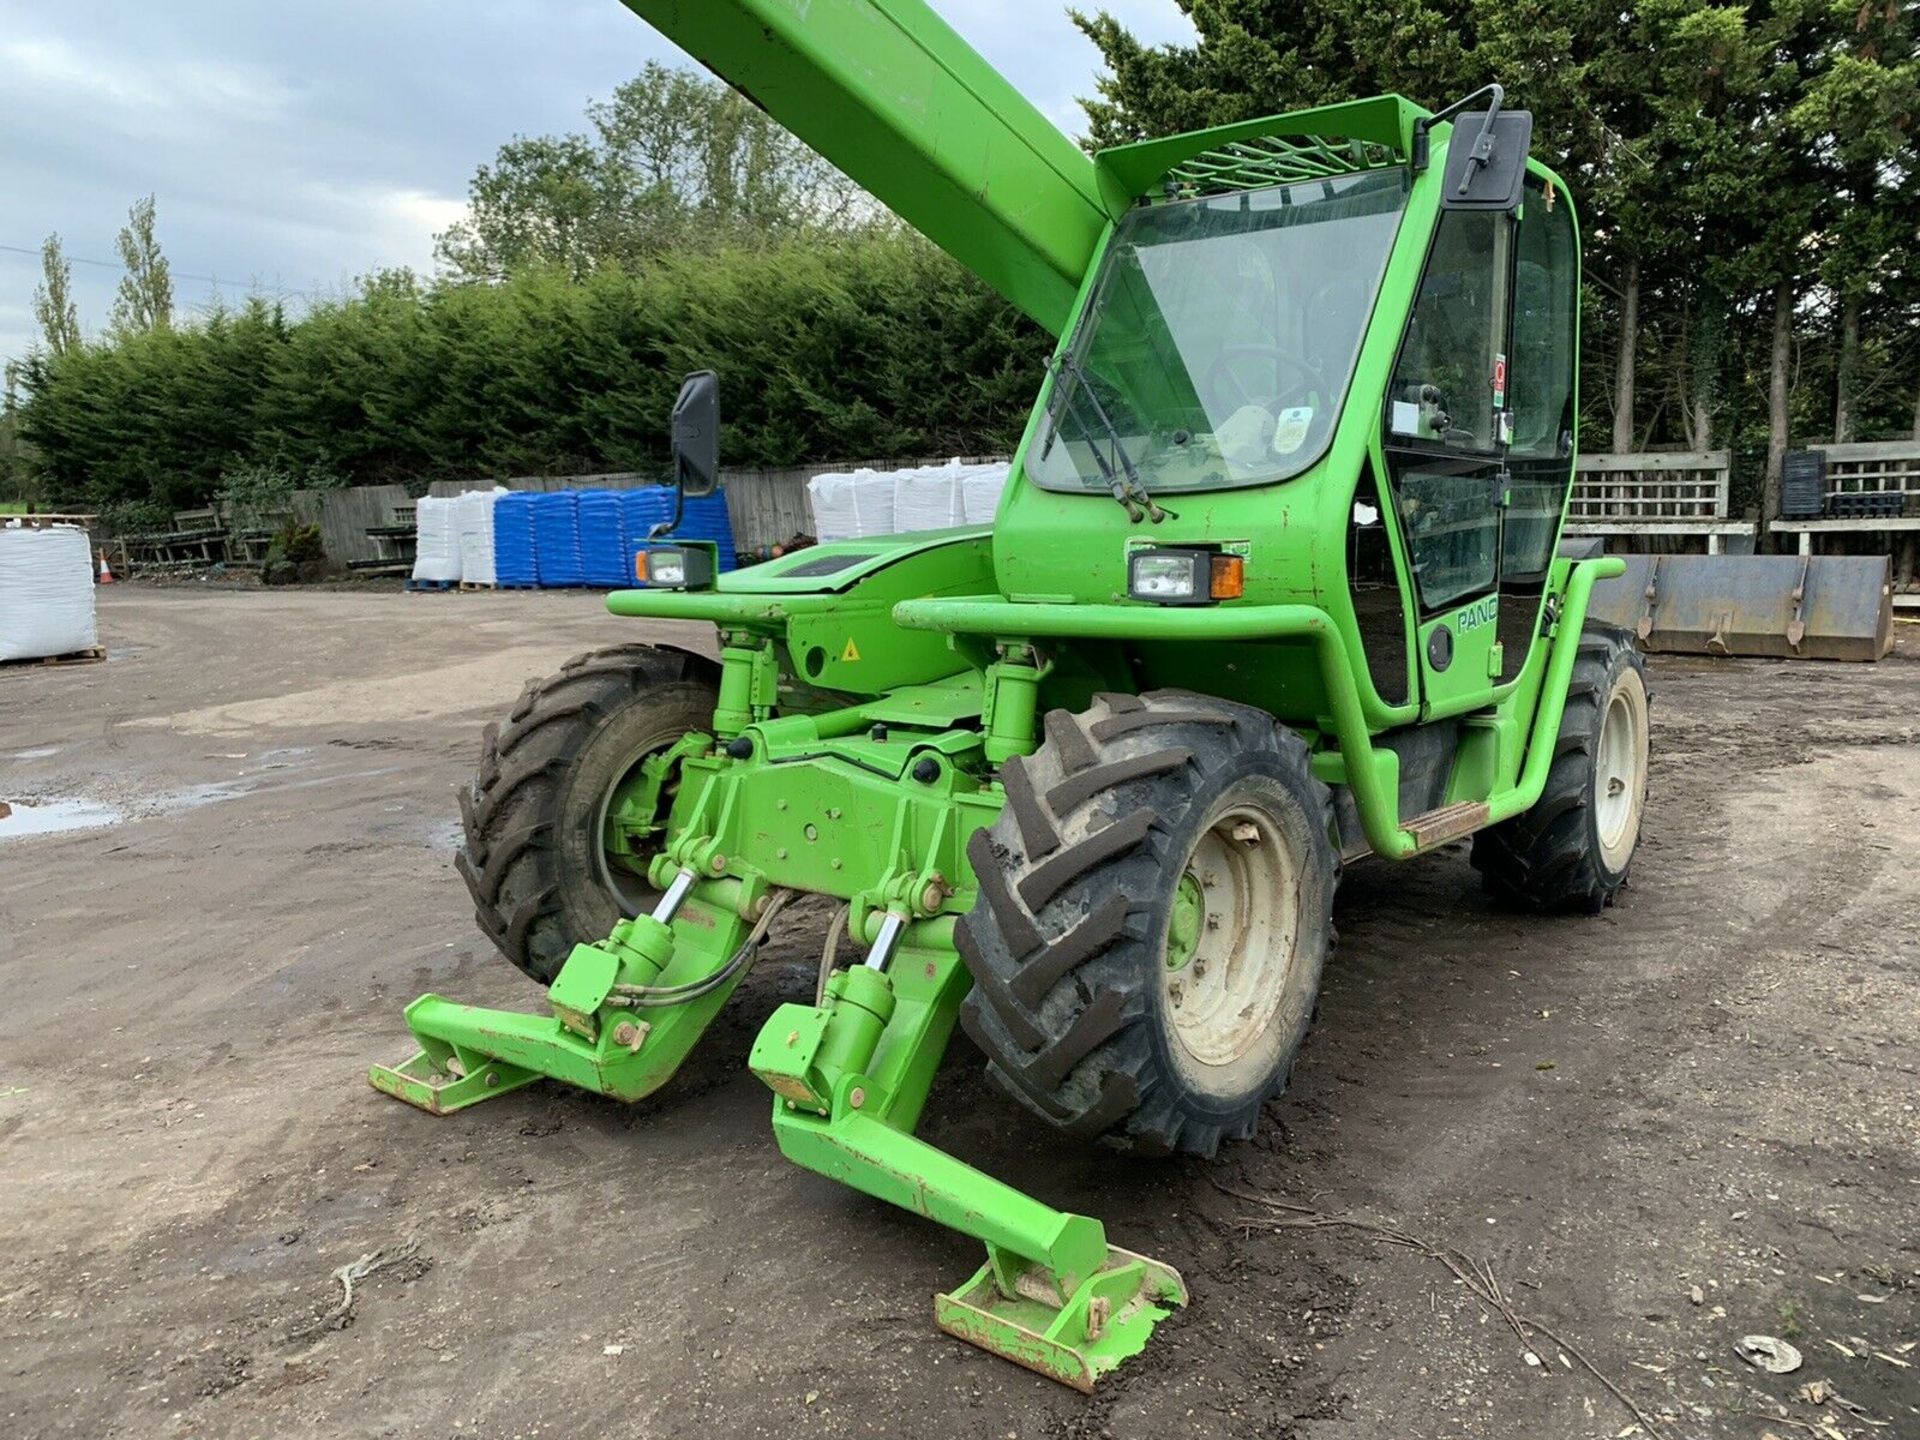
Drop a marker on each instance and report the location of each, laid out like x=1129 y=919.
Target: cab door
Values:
x=1446 y=431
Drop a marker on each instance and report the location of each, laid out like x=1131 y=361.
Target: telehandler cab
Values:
x=1274 y=585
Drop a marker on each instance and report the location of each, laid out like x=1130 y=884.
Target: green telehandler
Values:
x=1275 y=584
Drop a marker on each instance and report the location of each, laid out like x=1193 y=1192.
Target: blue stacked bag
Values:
x=703 y=519
x=640 y=511
x=706 y=519
x=556 y=538
x=513 y=555
x=605 y=560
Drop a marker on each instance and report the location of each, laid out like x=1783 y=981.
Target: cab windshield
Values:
x=1220 y=338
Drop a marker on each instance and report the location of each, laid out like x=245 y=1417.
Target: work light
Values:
x=1185 y=577
x=672 y=567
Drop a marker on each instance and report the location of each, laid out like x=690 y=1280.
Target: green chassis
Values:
x=837 y=801
x=864 y=706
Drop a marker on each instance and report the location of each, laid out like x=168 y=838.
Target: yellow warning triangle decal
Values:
x=852 y=652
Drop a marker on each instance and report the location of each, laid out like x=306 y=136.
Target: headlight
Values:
x=1167 y=576
x=674 y=567
x=665 y=567
x=1185 y=577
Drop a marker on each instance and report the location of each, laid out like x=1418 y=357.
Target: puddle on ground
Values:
x=40 y=754
x=57 y=817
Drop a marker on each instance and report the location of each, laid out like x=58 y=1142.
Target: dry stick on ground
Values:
x=1484 y=1287
x=340 y=1315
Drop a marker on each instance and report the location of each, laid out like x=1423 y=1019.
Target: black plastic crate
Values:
x=1867 y=505
x=1803 y=484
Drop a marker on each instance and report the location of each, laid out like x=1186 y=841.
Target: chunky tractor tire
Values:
x=1571 y=851
x=536 y=856
x=1155 y=905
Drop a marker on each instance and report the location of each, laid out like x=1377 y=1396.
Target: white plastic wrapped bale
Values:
x=980 y=489
x=46 y=593
x=852 y=506
x=436 y=551
x=928 y=498
x=473 y=523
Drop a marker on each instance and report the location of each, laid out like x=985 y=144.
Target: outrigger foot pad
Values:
x=440 y=1089
x=1075 y=1340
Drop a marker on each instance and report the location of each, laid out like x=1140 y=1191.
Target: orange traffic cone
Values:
x=106 y=575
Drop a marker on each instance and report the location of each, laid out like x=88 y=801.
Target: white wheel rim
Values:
x=1618 y=775
x=1224 y=980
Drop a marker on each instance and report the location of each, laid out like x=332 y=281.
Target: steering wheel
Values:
x=1221 y=375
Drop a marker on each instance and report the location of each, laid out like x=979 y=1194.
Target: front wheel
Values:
x=570 y=801
x=1572 y=850
x=1155 y=905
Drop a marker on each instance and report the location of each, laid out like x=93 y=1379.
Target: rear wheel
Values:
x=1572 y=850
x=1155 y=906
x=570 y=800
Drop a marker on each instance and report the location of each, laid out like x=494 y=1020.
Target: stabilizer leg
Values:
x=595 y=1037
x=850 y=1077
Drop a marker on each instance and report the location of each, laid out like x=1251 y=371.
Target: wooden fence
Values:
x=1879 y=465
x=345 y=516
x=1656 y=485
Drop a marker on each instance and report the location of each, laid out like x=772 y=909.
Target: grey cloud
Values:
x=292 y=149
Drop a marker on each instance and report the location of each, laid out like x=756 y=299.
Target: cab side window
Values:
x=1545 y=330
x=1445 y=408
x=1443 y=384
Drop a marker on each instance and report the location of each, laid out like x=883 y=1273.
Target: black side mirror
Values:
x=1487 y=161
x=696 y=434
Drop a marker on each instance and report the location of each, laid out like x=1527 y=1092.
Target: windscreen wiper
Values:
x=1129 y=489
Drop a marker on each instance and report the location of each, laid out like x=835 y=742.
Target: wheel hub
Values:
x=1616 y=771
x=1230 y=937
x=631 y=816
x=1183 y=929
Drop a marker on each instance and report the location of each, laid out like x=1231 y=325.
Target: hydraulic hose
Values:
x=829 y=953
x=655 y=997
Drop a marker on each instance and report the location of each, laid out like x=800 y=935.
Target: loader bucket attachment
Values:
x=1788 y=607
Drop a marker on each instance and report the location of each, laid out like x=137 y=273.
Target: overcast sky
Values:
x=292 y=148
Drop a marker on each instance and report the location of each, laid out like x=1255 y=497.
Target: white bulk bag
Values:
x=852 y=506
x=980 y=488
x=473 y=523
x=436 y=551
x=928 y=498
x=46 y=592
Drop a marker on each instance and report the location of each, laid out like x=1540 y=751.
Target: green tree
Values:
x=53 y=307
x=16 y=470
x=144 y=301
x=1859 y=111
x=672 y=161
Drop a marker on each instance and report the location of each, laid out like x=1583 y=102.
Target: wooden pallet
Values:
x=476 y=585
x=425 y=585
x=78 y=657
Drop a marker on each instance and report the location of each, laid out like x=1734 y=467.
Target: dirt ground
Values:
x=1691 y=1119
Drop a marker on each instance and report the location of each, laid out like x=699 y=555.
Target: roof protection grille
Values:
x=1264 y=160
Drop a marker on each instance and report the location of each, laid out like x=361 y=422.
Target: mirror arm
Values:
x=1482 y=147
x=661 y=528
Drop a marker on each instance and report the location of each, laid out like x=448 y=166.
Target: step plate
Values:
x=1450 y=822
